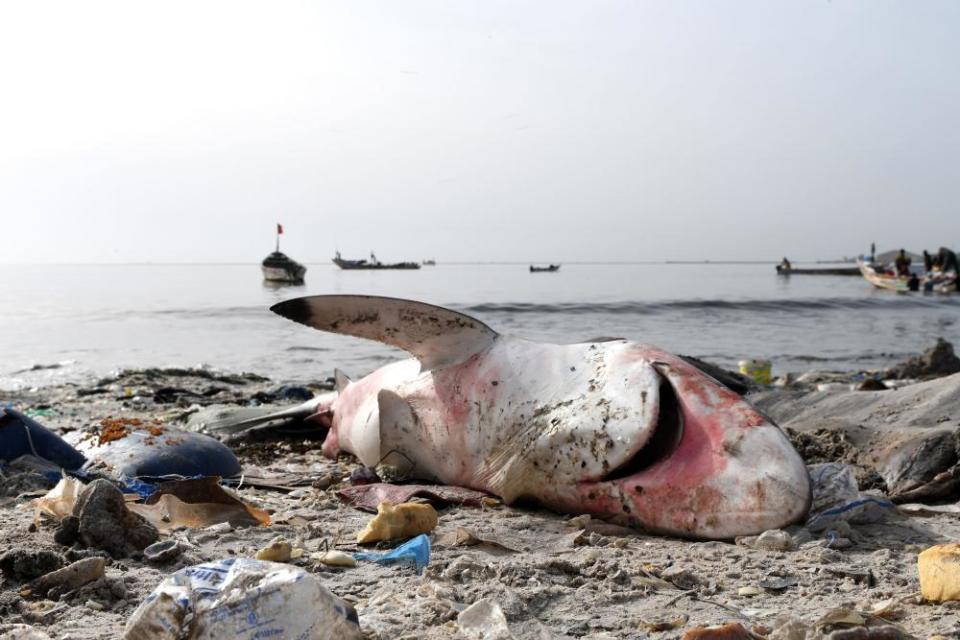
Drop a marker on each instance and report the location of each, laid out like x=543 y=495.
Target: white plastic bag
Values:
x=836 y=497
x=242 y=599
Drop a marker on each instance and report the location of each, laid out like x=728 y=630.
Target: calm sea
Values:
x=75 y=323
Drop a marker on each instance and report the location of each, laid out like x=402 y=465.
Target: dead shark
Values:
x=616 y=429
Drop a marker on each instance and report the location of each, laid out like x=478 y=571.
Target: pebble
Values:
x=334 y=558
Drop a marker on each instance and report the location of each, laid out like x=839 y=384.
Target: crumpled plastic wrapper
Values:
x=242 y=599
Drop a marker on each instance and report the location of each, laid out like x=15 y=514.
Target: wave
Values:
x=758 y=305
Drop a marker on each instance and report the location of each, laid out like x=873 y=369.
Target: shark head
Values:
x=712 y=466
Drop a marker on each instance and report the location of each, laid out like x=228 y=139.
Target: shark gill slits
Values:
x=664 y=441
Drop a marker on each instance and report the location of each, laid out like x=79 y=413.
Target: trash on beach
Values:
x=242 y=599
x=398 y=522
x=139 y=448
x=70 y=577
x=21 y=436
x=939 y=569
x=197 y=503
x=415 y=552
x=277 y=550
x=101 y=519
x=58 y=503
x=836 y=498
x=484 y=620
x=369 y=496
x=756 y=370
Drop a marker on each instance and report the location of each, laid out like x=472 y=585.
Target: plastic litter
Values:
x=415 y=552
x=836 y=498
x=135 y=448
x=242 y=599
x=756 y=370
x=197 y=503
x=484 y=620
x=58 y=502
x=21 y=435
x=402 y=521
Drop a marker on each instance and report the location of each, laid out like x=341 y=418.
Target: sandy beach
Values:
x=552 y=575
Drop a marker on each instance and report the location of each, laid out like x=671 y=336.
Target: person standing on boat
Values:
x=873 y=252
x=785 y=264
x=902 y=263
x=948 y=260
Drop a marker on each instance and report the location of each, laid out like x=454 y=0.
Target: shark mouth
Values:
x=664 y=441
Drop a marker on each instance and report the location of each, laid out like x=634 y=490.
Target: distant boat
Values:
x=278 y=267
x=429 y=263
x=826 y=271
x=548 y=269
x=373 y=263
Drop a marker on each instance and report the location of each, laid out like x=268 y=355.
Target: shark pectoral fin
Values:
x=434 y=335
x=341 y=380
x=400 y=439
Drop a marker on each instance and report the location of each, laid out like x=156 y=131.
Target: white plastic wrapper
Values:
x=242 y=599
x=836 y=497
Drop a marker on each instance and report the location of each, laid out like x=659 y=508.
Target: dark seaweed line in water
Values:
x=894 y=302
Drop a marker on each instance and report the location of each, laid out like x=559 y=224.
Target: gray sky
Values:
x=486 y=130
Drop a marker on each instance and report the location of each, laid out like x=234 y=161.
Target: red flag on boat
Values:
x=279 y=228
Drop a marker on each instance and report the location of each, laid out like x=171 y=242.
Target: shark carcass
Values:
x=613 y=428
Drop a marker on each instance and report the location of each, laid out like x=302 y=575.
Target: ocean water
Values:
x=78 y=322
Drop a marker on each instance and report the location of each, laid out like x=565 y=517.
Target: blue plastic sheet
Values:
x=415 y=551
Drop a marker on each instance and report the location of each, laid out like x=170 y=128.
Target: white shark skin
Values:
x=552 y=422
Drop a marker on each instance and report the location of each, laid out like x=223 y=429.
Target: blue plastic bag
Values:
x=415 y=551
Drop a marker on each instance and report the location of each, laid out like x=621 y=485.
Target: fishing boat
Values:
x=278 y=267
x=884 y=277
x=372 y=263
x=429 y=262
x=548 y=269
x=826 y=271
